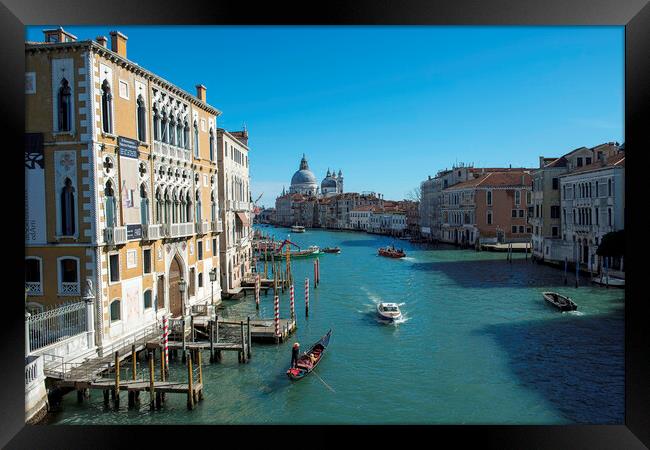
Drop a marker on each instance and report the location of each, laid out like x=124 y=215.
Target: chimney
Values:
x=200 y=92
x=118 y=43
x=58 y=35
x=101 y=40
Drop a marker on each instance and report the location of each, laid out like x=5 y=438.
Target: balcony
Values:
x=217 y=226
x=177 y=230
x=69 y=288
x=152 y=232
x=33 y=288
x=171 y=151
x=115 y=235
x=203 y=227
x=233 y=205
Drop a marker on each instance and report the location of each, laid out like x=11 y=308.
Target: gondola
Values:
x=305 y=364
x=332 y=250
x=561 y=302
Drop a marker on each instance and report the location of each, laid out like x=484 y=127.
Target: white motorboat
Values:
x=389 y=311
x=605 y=280
x=297 y=228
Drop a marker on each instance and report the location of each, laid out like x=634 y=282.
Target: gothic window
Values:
x=196 y=139
x=110 y=205
x=186 y=135
x=156 y=124
x=142 y=117
x=172 y=131
x=67 y=209
x=188 y=207
x=64 y=106
x=144 y=205
x=69 y=270
x=107 y=107
x=159 y=206
x=179 y=133
x=198 y=206
x=163 y=128
x=213 y=207
x=489 y=197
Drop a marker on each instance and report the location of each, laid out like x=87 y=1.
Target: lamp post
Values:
x=182 y=286
x=213 y=278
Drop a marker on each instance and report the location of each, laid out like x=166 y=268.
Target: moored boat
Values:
x=605 y=280
x=389 y=311
x=561 y=302
x=310 y=359
x=331 y=250
x=297 y=228
x=391 y=252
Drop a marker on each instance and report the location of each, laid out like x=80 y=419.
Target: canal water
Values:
x=478 y=345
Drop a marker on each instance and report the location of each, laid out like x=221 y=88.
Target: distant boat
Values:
x=312 y=250
x=310 y=359
x=563 y=303
x=604 y=280
x=391 y=252
x=389 y=311
x=297 y=228
x=332 y=250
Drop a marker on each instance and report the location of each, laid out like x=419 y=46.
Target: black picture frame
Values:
x=633 y=14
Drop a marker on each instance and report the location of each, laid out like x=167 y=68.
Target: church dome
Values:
x=304 y=181
x=328 y=182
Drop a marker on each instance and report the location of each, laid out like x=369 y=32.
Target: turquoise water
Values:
x=478 y=345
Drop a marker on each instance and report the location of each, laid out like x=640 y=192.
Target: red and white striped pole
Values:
x=277 y=316
x=166 y=340
x=306 y=297
x=291 y=305
x=257 y=291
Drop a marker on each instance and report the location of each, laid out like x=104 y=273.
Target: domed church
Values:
x=332 y=184
x=304 y=181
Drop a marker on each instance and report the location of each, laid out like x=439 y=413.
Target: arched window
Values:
x=144 y=205
x=142 y=118
x=64 y=106
x=110 y=205
x=196 y=139
x=33 y=275
x=67 y=209
x=179 y=133
x=115 y=310
x=168 y=204
x=198 y=206
x=147 y=299
x=188 y=207
x=201 y=278
x=186 y=135
x=213 y=208
x=107 y=107
x=172 y=131
x=156 y=124
x=164 y=136
x=211 y=145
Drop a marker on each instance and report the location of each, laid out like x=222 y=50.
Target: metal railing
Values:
x=115 y=235
x=70 y=288
x=55 y=325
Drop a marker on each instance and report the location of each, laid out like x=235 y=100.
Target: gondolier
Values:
x=295 y=353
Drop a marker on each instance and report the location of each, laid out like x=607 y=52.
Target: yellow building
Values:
x=121 y=185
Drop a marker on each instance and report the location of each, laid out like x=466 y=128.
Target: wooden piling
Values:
x=80 y=396
x=211 y=341
x=117 y=377
x=151 y=383
x=190 y=398
x=162 y=365
x=243 y=342
x=105 y=392
x=248 y=343
x=133 y=362
x=183 y=335
x=198 y=361
x=192 y=335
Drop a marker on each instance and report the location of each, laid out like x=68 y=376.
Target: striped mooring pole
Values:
x=257 y=291
x=306 y=297
x=291 y=304
x=277 y=316
x=315 y=273
x=166 y=340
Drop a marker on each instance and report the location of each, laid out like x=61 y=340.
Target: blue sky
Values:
x=390 y=105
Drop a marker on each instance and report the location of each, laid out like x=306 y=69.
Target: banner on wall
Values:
x=129 y=182
x=35 y=222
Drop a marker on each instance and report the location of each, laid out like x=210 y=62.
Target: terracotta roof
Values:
x=614 y=160
x=495 y=179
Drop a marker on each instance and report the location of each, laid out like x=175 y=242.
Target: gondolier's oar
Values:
x=323 y=381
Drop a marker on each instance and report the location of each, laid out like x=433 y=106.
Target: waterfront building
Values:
x=120 y=174
x=360 y=217
x=236 y=253
x=592 y=200
x=545 y=210
x=487 y=209
x=266 y=215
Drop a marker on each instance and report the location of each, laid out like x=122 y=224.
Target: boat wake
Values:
x=575 y=313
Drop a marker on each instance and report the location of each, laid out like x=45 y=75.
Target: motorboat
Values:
x=605 y=280
x=391 y=252
x=331 y=250
x=561 y=302
x=389 y=311
x=297 y=228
